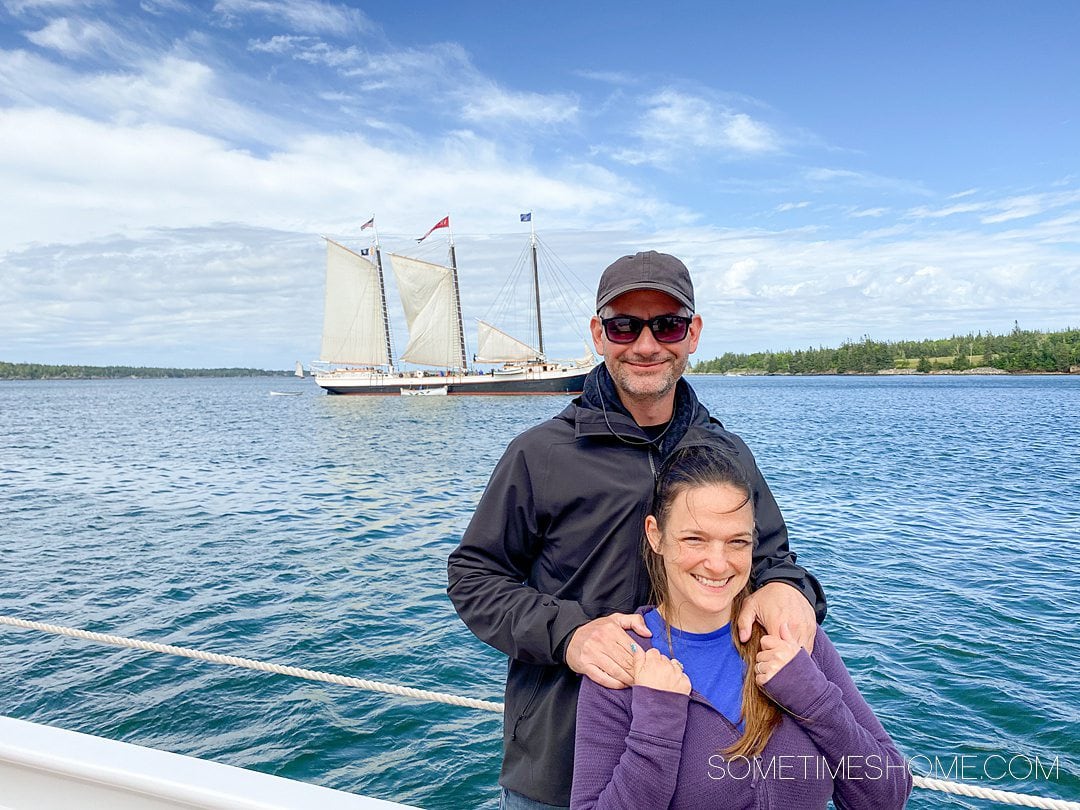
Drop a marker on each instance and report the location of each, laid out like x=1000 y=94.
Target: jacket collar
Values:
x=600 y=412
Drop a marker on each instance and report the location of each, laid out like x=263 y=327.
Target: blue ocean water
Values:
x=942 y=515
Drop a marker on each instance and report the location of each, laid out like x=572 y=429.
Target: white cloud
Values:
x=439 y=79
x=926 y=212
x=744 y=134
x=1018 y=208
x=676 y=126
x=159 y=7
x=19 y=7
x=792 y=206
x=829 y=177
x=734 y=281
x=497 y=105
x=169 y=90
x=1060 y=230
x=308 y=49
x=443 y=75
x=608 y=77
x=1029 y=205
x=74 y=37
x=161 y=292
x=1006 y=209
x=869 y=212
x=309 y=16
x=787 y=288
x=101 y=177
x=694 y=121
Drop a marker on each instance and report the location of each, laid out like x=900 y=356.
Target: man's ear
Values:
x=597 y=330
x=695 y=332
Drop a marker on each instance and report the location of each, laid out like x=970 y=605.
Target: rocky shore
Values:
x=967 y=371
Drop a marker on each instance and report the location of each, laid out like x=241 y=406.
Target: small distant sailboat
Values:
x=299 y=372
x=356 y=332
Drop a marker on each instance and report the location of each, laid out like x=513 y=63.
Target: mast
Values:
x=536 y=286
x=457 y=301
x=382 y=299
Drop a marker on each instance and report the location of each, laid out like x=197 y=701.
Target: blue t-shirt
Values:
x=710 y=660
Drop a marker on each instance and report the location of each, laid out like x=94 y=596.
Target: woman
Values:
x=712 y=722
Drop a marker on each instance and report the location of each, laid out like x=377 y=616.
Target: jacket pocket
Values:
x=529 y=685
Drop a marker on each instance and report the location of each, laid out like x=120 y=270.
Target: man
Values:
x=549 y=570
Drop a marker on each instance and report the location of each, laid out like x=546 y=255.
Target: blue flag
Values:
x=365 y=251
x=526 y=217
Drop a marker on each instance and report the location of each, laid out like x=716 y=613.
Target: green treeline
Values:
x=39 y=371
x=1020 y=350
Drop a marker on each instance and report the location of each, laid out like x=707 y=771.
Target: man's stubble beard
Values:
x=626 y=382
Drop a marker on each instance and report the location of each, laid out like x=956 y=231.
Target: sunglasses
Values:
x=664 y=328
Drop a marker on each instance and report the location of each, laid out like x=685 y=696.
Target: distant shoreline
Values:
x=267 y=374
x=57 y=373
x=889 y=372
x=1018 y=352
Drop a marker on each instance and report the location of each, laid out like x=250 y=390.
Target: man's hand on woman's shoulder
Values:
x=777 y=603
x=603 y=652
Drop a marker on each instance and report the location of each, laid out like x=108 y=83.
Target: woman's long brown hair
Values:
x=686 y=469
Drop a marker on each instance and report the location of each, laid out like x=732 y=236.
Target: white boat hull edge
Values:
x=46 y=768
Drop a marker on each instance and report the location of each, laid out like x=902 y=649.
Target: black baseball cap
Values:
x=646 y=271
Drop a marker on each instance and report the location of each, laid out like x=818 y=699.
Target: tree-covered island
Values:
x=41 y=371
x=1019 y=351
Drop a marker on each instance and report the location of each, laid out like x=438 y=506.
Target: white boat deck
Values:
x=46 y=768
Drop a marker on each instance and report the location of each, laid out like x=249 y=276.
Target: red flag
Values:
x=369 y=224
x=442 y=223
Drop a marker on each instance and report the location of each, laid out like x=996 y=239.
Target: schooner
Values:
x=357 y=355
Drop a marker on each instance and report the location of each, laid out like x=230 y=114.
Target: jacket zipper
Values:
x=528 y=705
x=760 y=787
x=761 y=790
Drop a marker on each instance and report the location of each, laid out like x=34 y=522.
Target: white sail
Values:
x=354 y=330
x=299 y=372
x=495 y=346
x=431 y=312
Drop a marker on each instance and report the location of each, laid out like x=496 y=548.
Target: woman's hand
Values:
x=774 y=654
x=657 y=671
x=774 y=603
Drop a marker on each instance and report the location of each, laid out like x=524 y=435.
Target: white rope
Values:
x=1002 y=796
x=250 y=663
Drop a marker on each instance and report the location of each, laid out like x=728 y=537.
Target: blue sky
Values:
x=826 y=170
